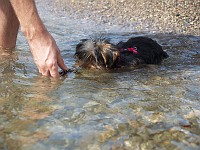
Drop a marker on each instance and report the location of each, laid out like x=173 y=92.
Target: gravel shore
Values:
x=177 y=16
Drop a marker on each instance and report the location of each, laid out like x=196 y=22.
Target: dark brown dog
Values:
x=101 y=54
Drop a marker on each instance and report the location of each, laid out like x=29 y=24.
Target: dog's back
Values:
x=148 y=50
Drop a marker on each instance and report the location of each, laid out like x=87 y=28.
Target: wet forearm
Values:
x=27 y=14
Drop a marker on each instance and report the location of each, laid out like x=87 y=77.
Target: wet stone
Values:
x=94 y=147
x=59 y=140
x=1 y=140
x=185 y=123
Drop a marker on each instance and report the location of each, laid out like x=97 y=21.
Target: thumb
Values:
x=60 y=61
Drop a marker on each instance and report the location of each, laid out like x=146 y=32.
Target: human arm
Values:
x=44 y=49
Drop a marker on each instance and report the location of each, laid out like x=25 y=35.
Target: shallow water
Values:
x=151 y=107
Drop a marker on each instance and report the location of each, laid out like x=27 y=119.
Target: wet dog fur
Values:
x=101 y=54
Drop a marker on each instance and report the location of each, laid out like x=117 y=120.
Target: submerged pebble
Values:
x=185 y=123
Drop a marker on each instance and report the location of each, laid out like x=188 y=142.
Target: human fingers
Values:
x=53 y=70
x=60 y=61
x=45 y=73
x=38 y=67
x=43 y=69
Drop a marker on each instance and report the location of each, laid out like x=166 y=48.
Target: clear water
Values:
x=153 y=107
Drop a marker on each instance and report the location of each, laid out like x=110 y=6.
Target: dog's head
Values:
x=96 y=54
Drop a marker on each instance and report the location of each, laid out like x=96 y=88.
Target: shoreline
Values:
x=180 y=17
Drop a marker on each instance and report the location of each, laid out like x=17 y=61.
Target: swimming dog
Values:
x=101 y=54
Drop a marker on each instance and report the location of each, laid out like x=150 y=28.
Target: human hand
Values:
x=46 y=54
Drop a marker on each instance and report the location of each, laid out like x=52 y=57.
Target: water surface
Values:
x=151 y=107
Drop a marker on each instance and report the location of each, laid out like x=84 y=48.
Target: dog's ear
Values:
x=106 y=56
x=110 y=54
x=116 y=55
